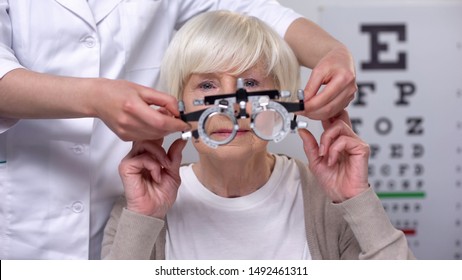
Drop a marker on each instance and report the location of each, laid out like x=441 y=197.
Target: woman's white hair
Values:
x=226 y=42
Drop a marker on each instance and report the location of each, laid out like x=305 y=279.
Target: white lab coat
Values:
x=58 y=178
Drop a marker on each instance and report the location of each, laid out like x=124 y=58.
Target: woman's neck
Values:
x=234 y=178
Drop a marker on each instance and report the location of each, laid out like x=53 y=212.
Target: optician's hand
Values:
x=151 y=178
x=340 y=162
x=126 y=109
x=336 y=72
x=122 y=105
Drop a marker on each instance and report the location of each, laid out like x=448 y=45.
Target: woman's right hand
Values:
x=151 y=178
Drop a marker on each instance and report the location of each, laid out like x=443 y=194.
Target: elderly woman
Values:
x=239 y=201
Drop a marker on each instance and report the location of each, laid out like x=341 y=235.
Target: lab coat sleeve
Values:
x=8 y=61
x=6 y=123
x=270 y=11
x=370 y=224
x=129 y=235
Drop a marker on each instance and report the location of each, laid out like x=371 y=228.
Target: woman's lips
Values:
x=242 y=131
x=227 y=132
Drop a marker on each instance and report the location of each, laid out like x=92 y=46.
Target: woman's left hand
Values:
x=340 y=162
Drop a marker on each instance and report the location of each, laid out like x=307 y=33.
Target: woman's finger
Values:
x=152 y=147
x=310 y=145
x=346 y=146
x=334 y=131
x=175 y=152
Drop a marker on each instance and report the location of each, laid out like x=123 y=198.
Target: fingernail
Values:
x=321 y=150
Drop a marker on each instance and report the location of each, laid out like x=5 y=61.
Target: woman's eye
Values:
x=206 y=86
x=251 y=83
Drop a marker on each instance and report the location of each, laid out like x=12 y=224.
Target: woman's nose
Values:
x=229 y=88
x=229 y=84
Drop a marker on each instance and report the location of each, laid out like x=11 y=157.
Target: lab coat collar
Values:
x=82 y=9
x=103 y=8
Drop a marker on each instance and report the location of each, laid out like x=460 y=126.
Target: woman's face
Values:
x=219 y=128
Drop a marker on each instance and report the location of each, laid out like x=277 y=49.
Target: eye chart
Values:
x=409 y=109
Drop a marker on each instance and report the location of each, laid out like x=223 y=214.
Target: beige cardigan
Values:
x=357 y=228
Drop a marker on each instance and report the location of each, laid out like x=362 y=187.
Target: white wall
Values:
x=310 y=8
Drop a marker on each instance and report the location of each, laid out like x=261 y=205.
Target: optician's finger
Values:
x=160 y=123
x=342 y=116
x=315 y=81
x=160 y=99
x=327 y=103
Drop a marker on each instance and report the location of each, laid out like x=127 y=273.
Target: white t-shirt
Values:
x=267 y=224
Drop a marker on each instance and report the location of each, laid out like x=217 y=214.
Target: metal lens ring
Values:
x=207 y=122
x=270 y=122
